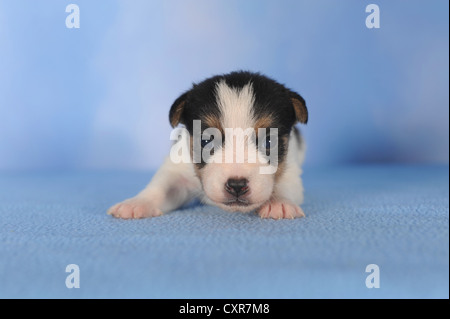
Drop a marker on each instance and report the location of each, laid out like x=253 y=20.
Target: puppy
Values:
x=242 y=151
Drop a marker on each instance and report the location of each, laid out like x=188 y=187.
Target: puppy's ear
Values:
x=301 y=112
x=177 y=109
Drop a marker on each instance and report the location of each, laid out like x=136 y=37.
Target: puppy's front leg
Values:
x=287 y=195
x=286 y=200
x=172 y=186
x=288 y=192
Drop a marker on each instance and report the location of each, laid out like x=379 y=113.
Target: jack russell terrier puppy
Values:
x=241 y=149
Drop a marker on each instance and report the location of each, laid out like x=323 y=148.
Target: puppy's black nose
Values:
x=236 y=186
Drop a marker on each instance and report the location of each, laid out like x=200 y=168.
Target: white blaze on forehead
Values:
x=235 y=105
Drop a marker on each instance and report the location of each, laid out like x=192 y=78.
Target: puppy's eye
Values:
x=207 y=143
x=270 y=142
x=267 y=142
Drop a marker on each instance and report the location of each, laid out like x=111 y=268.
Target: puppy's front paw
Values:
x=280 y=209
x=134 y=208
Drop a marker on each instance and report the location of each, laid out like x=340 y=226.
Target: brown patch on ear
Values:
x=175 y=114
x=301 y=112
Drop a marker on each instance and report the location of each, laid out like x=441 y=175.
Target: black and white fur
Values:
x=234 y=100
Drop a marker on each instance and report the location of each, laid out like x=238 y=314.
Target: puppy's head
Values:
x=239 y=126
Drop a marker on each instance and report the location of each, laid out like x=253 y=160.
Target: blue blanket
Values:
x=396 y=217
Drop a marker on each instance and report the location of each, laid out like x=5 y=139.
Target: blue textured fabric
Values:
x=394 y=216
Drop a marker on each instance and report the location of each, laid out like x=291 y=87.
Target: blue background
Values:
x=80 y=109
x=98 y=97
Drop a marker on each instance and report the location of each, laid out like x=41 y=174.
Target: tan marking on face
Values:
x=213 y=121
x=263 y=122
